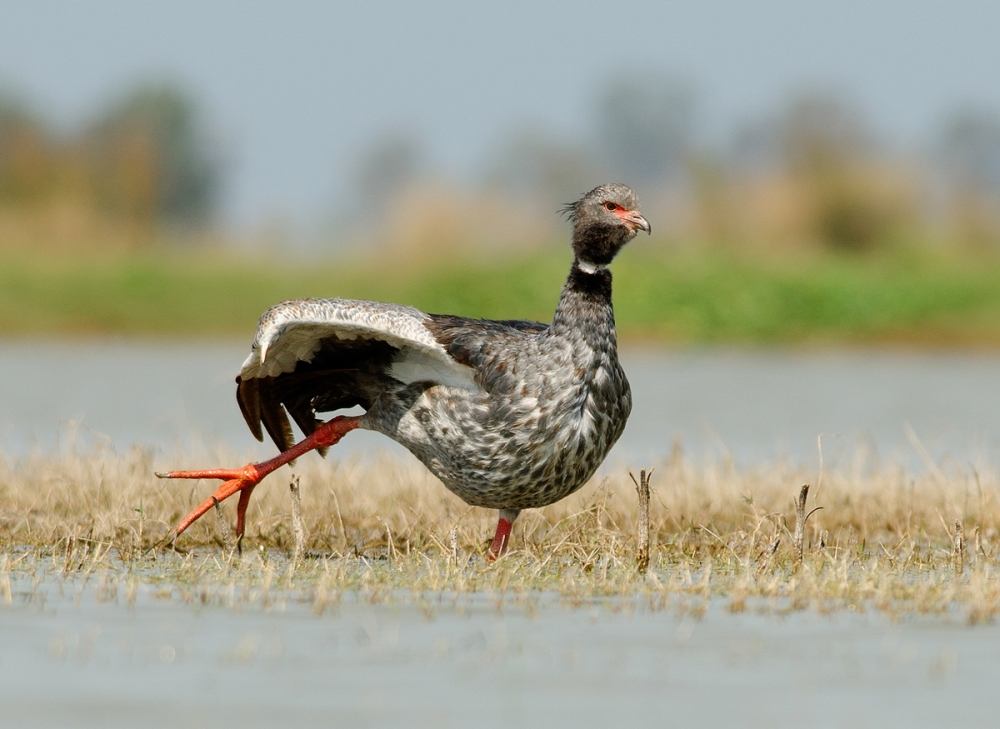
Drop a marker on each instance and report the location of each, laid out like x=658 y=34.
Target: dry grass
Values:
x=884 y=539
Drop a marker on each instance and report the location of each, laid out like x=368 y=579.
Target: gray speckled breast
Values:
x=547 y=420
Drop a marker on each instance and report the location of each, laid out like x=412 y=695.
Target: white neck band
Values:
x=588 y=267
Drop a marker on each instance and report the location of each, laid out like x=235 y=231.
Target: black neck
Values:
x=585 y=300
x=590 y=281
x=599 y=243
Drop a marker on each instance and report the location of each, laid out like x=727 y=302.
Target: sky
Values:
x=295 y=90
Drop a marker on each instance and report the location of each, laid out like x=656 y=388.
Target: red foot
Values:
x=502 y=538
x=245 y=479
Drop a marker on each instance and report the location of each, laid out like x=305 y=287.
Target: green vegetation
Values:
x=660 y=294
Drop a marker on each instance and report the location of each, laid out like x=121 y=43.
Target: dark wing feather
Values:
x=302 y=412
x=273 y=415
x=341 y=375
x=322 y=355
x=248 y=397
x=477 y=342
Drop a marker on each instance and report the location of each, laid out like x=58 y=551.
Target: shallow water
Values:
x=751 y=405
x=71 y=660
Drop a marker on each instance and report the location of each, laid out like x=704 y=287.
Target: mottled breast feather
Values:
x=554 y=400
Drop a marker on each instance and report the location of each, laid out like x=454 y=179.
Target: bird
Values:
x=509 y=414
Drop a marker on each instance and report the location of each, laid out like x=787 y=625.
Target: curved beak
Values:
x=635 y=221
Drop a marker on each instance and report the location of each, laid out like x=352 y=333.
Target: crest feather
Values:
x=569 y=210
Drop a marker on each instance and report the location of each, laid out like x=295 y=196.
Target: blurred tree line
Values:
x=144 y=163
x=814 y=173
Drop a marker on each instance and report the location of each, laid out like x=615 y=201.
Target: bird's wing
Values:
x=487 y=346
x=319 y=355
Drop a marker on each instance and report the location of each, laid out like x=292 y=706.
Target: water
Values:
x=71 y=660
x=751 y=406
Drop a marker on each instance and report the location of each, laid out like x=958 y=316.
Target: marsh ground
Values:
x=721 y=517
x=392 y=615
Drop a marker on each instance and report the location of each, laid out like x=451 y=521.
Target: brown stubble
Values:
x=885 y=537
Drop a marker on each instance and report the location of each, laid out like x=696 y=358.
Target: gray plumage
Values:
x=508 y=414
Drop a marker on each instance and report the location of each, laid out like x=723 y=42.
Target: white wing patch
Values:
x=415 y=365
x=292 y=332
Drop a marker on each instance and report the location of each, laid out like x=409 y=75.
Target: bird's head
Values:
x=604 y=220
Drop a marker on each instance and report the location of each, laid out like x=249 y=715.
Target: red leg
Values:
x=502 y=538
x=241 y=511
x=245 y=479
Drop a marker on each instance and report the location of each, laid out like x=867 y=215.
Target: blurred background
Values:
x=308 y=125
x=817 y=174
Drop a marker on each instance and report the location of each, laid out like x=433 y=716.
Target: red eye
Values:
x=610 y=206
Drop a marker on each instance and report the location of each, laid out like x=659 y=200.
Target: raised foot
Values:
x=245 y=479
x=248 y=472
